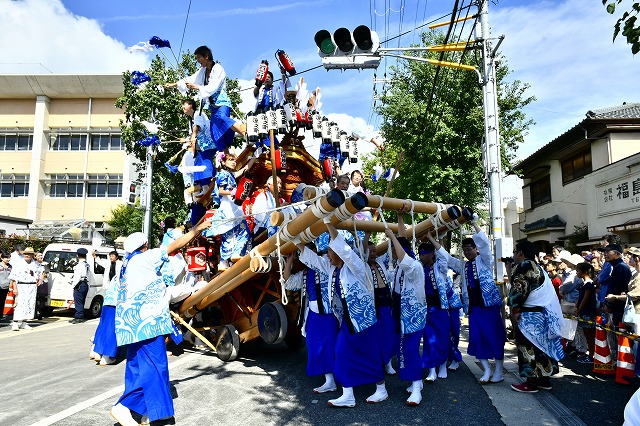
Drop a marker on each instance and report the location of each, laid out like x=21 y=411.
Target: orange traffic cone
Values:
x=8 y=304
x=626 y=361
x=602 y=363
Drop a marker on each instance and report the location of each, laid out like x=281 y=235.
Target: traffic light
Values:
x=133 y=188
x=348 y=50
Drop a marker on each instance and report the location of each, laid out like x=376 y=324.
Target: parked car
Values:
x=59 y=260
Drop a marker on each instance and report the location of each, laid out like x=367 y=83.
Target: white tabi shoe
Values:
x=107 y=360
x=416 y=394
x=15 y=326
x=442 y=371
x=410 y=388
x=454 y=365
x=328 y=386
x=497 y=376
x=432 y=376
x=379 y=395
x=388 y=368
x=122 y=415
x=486 y=371
x=346 y=400
x=93 y=354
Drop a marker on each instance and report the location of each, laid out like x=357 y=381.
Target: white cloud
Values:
x=45 y=32
x=564 y=50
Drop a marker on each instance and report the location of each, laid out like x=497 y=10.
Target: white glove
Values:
x=475 y=218
x=258 y=152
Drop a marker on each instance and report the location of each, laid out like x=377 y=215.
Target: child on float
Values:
x=229 y=221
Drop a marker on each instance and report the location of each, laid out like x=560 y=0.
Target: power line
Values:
x=184 y=29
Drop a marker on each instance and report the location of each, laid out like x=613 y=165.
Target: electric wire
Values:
x=184 y=30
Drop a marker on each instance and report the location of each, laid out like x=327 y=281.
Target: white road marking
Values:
x=99 y=398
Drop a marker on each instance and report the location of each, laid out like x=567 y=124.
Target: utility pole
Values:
x=492 y=147
x=146 y=194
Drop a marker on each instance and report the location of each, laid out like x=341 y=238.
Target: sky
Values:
x=562 y=48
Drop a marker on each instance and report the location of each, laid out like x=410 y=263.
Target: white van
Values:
x=59 y=260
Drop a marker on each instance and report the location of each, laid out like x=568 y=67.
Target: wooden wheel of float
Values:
x=227 y=343
x=272 y=323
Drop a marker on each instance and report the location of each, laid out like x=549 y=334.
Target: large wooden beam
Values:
x=322 y=208
x=351 y=206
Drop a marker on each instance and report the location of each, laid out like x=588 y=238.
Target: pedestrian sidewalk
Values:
x=521 y=409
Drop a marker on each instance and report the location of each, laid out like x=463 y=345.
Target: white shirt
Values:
x=26 y=272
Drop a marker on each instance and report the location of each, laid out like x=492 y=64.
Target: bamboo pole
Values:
x=352 y=205
x=328 y=204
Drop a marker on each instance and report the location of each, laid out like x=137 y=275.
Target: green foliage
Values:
x=124 y=220
x=8 y=244
x=441 y=139
x=152 y=102
x=580 y=235
x=626 y=23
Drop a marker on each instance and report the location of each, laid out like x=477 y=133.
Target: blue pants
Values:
x=435 y=346
x=105 y=338
x=454 y=331
x=409 y=361
x=322 y=332
x=487 y=335
x=79 y=296
x=358 y=359
x=146 y=379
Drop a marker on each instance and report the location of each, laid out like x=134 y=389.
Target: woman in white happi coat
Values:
x=357 y=355
x=316 y=319
x=438 y=287
x=409 y=310
x=25 y=278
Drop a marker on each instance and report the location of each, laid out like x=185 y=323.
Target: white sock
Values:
x=347 y=392
x=497 y=374
x=442 y=371
x=487 y=370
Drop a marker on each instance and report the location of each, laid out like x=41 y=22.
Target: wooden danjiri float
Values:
x=250 y=295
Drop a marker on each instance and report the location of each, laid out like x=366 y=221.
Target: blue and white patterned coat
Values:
x=413 y=302
x=142 y=311
x=484 y=266
x=360 y=301
x=445 y=285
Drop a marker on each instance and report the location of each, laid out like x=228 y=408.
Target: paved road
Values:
x=48 y=379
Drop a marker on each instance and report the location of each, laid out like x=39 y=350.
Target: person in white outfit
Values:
x=25 y=278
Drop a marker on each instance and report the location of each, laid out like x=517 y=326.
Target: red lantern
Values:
x=261 y=73
x=286 y=62
x=327 y=169
x=243 y=191
x=196 y=259
x=281 y=160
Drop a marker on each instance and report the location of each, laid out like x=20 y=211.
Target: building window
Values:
x=576 y=167
x=68 y=142
x=104 y=186
x=104 y=142
x=540 y=191
x=66 y=186
x=16 y=142
x=12 y=186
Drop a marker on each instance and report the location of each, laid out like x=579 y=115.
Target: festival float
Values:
x=249 y=297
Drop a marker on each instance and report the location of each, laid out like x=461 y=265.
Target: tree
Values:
x=124 y=220
x=626 y=23
x=441 y=134
x=151 y=102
